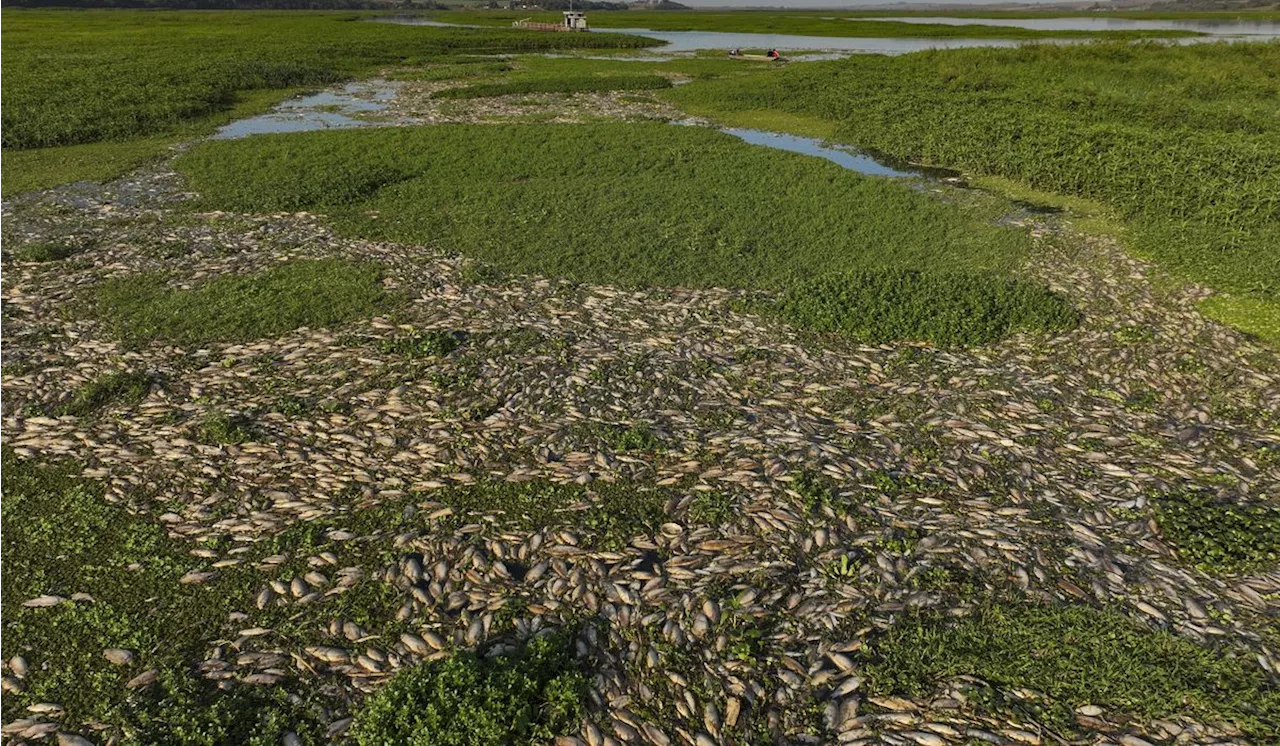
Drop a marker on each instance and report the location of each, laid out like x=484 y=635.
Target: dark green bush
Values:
x=431 y=343
x=526 y=697
x=947 y=308
x=45 y=252
x=1220 y=535
x=129 y=387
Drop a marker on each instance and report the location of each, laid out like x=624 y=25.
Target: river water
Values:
x=689 y=41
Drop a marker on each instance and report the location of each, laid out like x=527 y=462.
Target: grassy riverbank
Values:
x=145 y=80
x=1179 y=141
x=650 y=205
x=804 y=23
x=529 y=416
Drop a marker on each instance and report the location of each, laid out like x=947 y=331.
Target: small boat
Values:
x=736 y=55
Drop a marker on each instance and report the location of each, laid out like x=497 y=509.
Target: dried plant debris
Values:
x=270 y=526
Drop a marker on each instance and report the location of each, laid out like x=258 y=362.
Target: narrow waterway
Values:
x=1213 y=27
x=339 y=109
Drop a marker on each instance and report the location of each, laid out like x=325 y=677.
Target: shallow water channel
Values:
x=318 y=111
x=335 y=109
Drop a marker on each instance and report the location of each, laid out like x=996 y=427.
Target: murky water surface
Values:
x=846 y=157
x=688 y=41
x=325 y=110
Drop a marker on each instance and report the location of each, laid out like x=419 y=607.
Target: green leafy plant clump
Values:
x=528 y=696
x=563 y=84
x=1220 y=535
x=62 y=537
x=45 y=252
x=608 y=514
x=430 y=343
x=312 y=293
x=947 y=308
x=129 y=387
x=1075 y=655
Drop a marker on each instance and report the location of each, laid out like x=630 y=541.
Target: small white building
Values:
x=575 y=20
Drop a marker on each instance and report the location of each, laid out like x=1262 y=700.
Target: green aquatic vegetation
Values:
x=1179 y=141
x=93 y=75
x=220 y=428
x=429 y=343
x=625 y=204
x=1075 y=655
x=127 y=387
x=45 y=251
x=713 y=508
x=527 y=696
x=62 y=537
x=579 y=84
x=946 y=308
x=312 y=293
x=609 y=514
x=1219 y=535
x=620 y=437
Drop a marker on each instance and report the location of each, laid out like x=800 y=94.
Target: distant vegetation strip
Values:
x=569 y=84
x=830 y=23
x=1181 y=140
x=116 y=75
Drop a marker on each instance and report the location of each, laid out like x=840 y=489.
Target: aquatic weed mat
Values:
x=447 y=475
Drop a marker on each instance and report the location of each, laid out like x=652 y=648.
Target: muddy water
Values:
x=849 y=158
x=340 y=109
x=336 y=109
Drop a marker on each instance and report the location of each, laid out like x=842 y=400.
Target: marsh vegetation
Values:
x=537 y=418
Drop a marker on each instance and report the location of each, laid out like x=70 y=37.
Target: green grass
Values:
x=608 y=515
x=795 y=23
x=88 y=76
x=93 y=94
x=946 y=308
x=424 y=344
x=311 y=293
x=581 y=84
x=1221 y=535
x=626 y=204
x=128 y=387
x=1075 y=655
x=41 y=168
x=220 y=428
x=1180 y=142
x=61 y=537
x=45 y=251
x=1255 y=316
x=529 y=696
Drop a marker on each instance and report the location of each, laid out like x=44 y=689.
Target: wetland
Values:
x=375 y=383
